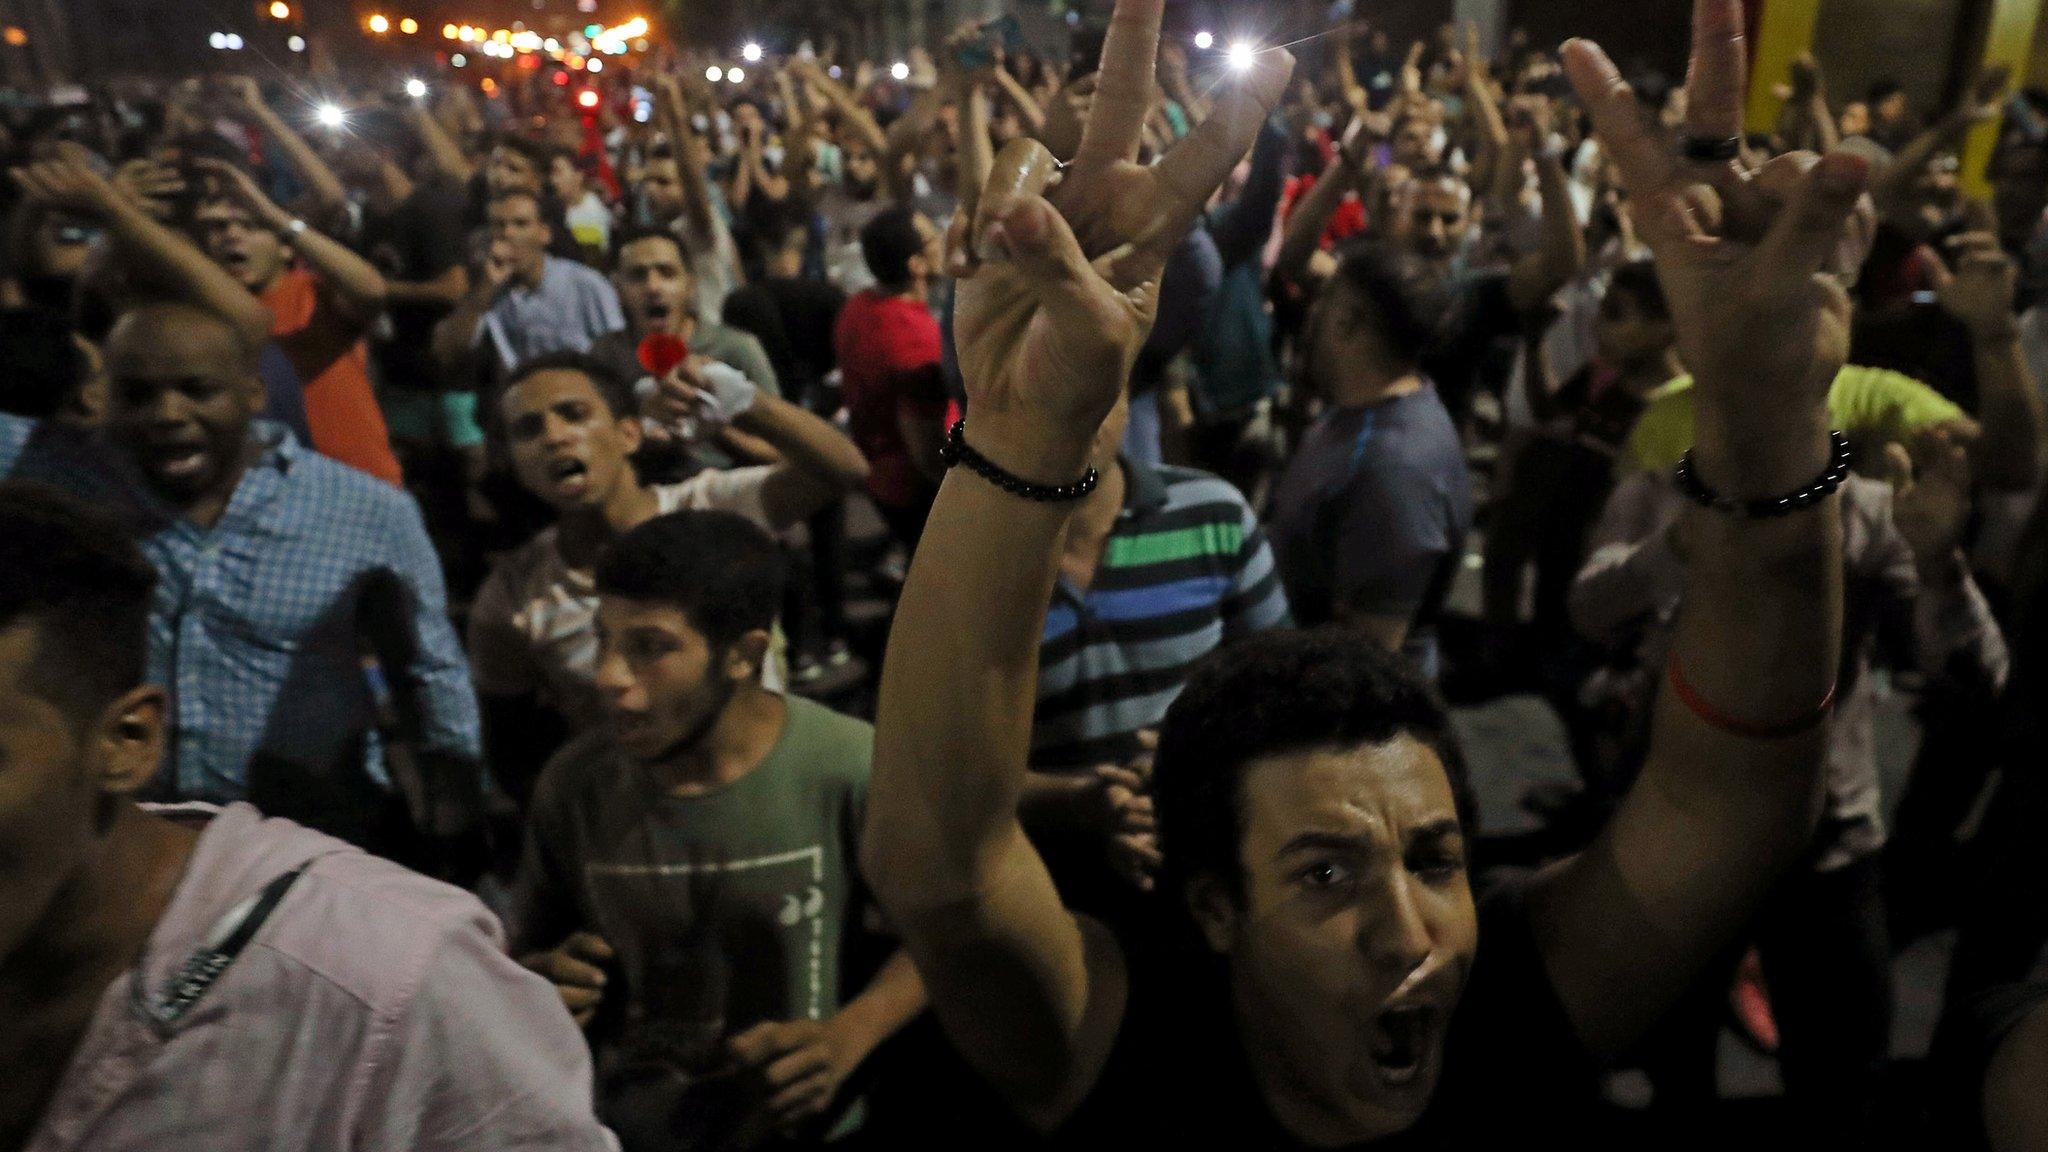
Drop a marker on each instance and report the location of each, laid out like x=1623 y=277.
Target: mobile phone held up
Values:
x=1002 y=34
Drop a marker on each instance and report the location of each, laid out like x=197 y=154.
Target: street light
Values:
x=588 y=98
x=416 y=88
x=713 y=73
x=596 y=65
x=380 y=24
x=450 y=32
x=218 y=41
x=234 y=42
x=280 y=10
x=1205 y=41
x=296 y=43
x=330 y=116
x=1241 y=56
x=737 y=75
x=752 y=53
x=900 y=70
x=408 y=25
x=459 y=60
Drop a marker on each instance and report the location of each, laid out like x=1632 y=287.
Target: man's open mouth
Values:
x=1402 y=1040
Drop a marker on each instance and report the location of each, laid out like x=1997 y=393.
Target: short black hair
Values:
x=724 y=571
x=535 y=152
x=1882 y=89
x=632 y=236
x=1638 y=281
x=888 y=243
x=74 y=569
x=1270 y=694
x=616 y=391
x=1411 y=307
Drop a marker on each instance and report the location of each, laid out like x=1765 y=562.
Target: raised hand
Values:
x=1744 y=257
x=240 y=187
x=70 y=183
x=1931 y=496
x=576 y=969
x=1980 y=290
x=1059 y=279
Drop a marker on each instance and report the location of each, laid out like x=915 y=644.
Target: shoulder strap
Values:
x=215 y=954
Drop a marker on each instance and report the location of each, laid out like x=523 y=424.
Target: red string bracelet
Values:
x=1713 y=717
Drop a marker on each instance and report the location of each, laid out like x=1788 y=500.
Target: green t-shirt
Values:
x=725 y=909
x=1868 y=404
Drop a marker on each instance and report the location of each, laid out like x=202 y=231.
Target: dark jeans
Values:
x=1827 y=961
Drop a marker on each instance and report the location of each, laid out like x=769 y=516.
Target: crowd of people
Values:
x=858 y=605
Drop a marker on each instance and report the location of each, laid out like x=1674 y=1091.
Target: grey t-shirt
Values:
x=725 y=910
x=1372 y=515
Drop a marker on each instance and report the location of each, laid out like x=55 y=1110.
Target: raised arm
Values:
x=1983 y=102
x=1980 y=294
x=326 y=194
x=158 y=254
x=851 y=114
x=1302 y=237
x=1030 y=994
x=818 y=465
x=349 y=279
x=1730 y=793
x=440 y=148
x=1561 y=256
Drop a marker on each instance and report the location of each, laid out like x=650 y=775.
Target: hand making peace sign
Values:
x=1060 y=268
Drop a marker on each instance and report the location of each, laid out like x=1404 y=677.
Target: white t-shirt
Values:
x=533 y=628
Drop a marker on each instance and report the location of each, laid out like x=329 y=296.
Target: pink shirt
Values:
x=375 y=1009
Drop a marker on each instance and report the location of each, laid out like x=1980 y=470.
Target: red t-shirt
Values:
x=1347 y=221
x=325 y=346
x=888 y=362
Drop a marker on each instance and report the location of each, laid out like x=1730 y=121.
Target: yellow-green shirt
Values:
x=1871 y=405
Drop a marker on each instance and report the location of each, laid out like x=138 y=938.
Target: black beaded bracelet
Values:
x=1806 y=496
x=956 y=452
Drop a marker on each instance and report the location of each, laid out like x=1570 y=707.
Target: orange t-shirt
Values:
x=326 y=348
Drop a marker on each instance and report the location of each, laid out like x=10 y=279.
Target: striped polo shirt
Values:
x=1186 y=568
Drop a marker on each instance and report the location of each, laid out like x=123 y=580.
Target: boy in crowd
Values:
x=572 y=429
x=702 y=845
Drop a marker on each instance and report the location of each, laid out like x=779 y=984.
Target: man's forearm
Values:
x=325 y=189
x=181 y=268
x=1312 y=214
x=455 y=337
x=950 y=759
x=353 y=278
x=891 y=1000
x=441 y=149
x=1563 y=252
x=806 y=442
x=2008 y=454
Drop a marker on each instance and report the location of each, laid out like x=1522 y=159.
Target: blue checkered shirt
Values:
x=257 y=626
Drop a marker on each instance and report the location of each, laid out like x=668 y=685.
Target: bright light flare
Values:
x=1242 y=55
x=899 y=70
x=280 y=10
x=1205 y=40
x=380 y=24
x=751 y=53
x=416 y=88
x=330 y=116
